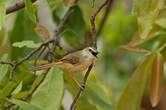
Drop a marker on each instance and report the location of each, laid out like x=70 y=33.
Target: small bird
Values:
x=74 y=62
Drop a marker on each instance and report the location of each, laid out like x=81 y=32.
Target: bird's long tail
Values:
x=43 y=67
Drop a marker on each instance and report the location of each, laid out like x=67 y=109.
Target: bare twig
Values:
x=93 y=27
x=104 y=19
x=31 y=93
x=17 y=6
x=62 y=23
x=17 y=63
x=60 y=28
x=33 y=52
x=37 y=58
x=80 y=89
x=94 y=39
x=8 y=63
x=36 y=87
x=56 y=39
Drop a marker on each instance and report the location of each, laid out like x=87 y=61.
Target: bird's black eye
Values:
x=93 y=52
x=90 y=50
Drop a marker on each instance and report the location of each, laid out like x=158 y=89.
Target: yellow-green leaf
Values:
x=2 y=14
x=156 y=80
x=23 y=105
x=133 y=92
x=17 y=89
x=8 y=89
x=31 y=10
x=161 y=22
x=4 y=67
x=49 y=94
x=26 y=43
x=147 y=11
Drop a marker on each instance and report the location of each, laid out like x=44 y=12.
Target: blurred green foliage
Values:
x=133 y=23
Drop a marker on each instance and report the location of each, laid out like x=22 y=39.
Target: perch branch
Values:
x=80 y=89
x=93 y=27
x=17 y=6
x=94 y=39
x=104 y=18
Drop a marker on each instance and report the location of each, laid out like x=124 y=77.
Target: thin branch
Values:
x=8 y=63
x=60 y=28
x=55 y=40
x=94 y=39
x=93 y=27
x=17 y=63
x=62 y=23
x=80 y=89
x=17 y=6
x=37 y=58
x=31 y=93
x=104 y=19
x=37 y=86
x=33 y=52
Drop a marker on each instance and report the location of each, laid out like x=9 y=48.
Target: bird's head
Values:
x=90 y=51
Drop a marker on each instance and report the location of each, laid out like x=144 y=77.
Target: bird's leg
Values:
x=82 y=86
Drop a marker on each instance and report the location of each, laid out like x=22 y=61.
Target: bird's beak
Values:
x=95 y=54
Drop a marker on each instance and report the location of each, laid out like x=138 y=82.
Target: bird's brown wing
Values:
x=66 y=62
x=71 y=58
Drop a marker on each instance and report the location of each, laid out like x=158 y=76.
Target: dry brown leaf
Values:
x=133 y=48
x=156 y=84
x=42 y=32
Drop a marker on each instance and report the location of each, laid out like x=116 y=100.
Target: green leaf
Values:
x=2 y=14
x=161 y=22
x=73 y=33
x=118 y=24
x=36 y=82
x=23 y=105
x=49 y=94
x=17 y=89
x=98 y=101
x=26 y=43
x=27 y=33
x=134 y=6
x=4 y=67
x=84 y=104
x=147 y=11
x=133 y=93
x=8 y=89
x=77 y=17
x=96 y=89
x=31 y=10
